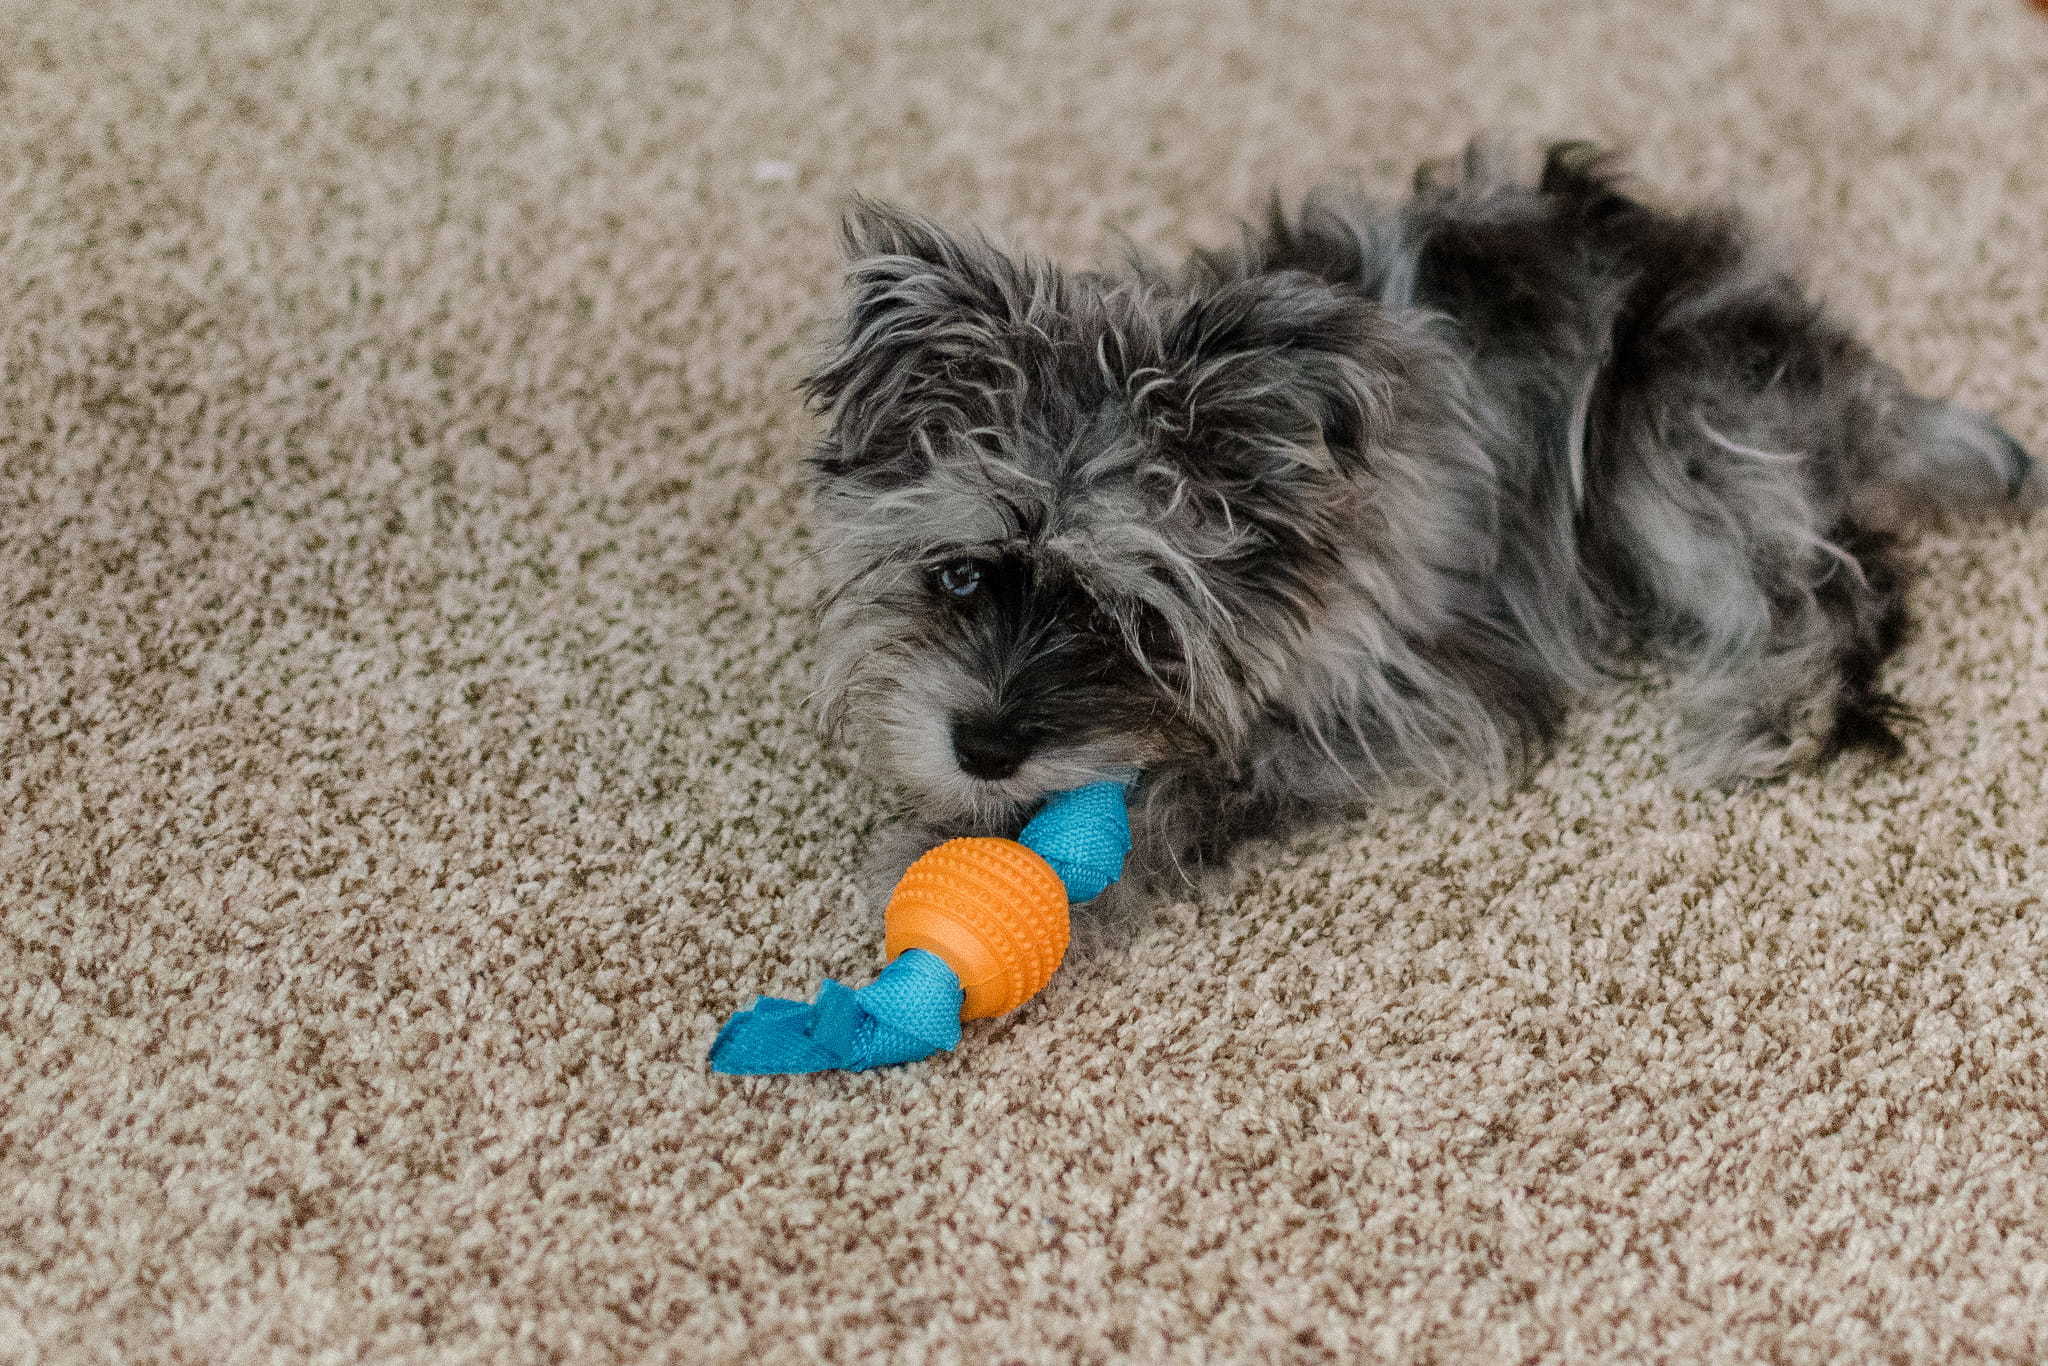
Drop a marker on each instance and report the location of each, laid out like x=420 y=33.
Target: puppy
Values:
x=1365 y=500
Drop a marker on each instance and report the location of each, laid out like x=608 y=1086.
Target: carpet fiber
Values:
x=405 y=763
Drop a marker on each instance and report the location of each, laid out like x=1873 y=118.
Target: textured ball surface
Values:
x=993 y=910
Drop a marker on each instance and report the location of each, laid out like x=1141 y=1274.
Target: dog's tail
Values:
x=1946 y=460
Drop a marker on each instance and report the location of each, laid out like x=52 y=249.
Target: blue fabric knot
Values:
x=1085 y=835
x=909 y=1012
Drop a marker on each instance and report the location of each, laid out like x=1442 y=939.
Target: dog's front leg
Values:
x=901 y=843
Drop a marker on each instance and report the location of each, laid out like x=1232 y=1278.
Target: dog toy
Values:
x=976 y=927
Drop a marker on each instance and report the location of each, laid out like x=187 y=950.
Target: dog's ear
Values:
x=928 y=315
x=1286 y=366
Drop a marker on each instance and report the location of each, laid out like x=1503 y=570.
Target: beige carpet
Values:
x=404 y=764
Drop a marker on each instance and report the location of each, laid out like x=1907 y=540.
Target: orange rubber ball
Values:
x=993 y=910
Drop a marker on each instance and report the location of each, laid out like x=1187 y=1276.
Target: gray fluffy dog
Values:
x=1362 y=501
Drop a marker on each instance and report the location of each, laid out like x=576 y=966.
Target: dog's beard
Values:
x=898 y=704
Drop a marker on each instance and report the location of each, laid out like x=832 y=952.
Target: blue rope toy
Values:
x=975 y=928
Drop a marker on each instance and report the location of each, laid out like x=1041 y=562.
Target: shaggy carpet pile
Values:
x=405 y=758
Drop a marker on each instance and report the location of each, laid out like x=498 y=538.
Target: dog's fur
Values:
x=1364 y=500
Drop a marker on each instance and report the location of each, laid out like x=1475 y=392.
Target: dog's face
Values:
x=1074 y=524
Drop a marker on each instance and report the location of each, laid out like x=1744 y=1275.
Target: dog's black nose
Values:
x=988 y=749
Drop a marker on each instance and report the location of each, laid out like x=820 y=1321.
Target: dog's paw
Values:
x=894 y=849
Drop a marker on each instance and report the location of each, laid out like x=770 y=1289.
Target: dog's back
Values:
x=1695 y=459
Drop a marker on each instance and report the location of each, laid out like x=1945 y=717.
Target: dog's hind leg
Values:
x=1750 y=461
x=1733 y=448
x=1774 y=621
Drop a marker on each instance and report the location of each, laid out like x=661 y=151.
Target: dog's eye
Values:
x=960 y=578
